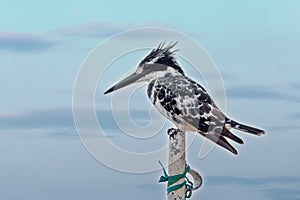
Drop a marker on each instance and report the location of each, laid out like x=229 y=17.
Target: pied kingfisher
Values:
x=182 y=100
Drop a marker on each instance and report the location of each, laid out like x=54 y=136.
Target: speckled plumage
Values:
x=182 y=100
x=188 y=105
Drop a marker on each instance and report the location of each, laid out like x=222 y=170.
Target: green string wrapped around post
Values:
x=173 y=179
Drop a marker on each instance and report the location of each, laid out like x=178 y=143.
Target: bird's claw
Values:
x=172 y=133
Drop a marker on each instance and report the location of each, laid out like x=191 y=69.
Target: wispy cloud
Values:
x=56 y=122
x=281 y=193
x=295 y=85
x=24 y=42
x=59 y=117
x=295 y=115
x=261 y=92
x=284 y=128
x=103 y=29
x=273 y=188
x=94 y=30
x=221 y=180
x=62 y=118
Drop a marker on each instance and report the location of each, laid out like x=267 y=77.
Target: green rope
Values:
x=173 y=179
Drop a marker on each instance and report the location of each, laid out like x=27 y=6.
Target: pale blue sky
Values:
x=255 y=45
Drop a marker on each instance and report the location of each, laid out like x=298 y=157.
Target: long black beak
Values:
x=125 y=82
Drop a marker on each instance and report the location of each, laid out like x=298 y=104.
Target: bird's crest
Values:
x=163 y=54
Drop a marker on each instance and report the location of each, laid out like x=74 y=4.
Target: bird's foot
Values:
x=172 y=133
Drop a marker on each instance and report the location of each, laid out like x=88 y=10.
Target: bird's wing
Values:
x=185 y=100
x=189 y=101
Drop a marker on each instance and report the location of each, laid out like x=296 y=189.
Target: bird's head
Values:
x=157 y=63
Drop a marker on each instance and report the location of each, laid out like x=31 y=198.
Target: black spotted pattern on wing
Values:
x=166 y=98
x=185 y=99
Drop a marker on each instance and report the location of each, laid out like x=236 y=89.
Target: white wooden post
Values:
x=177 y=163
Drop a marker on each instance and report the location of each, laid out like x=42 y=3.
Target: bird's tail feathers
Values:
x=242 y=127
x=225 y=132
x=220 y=140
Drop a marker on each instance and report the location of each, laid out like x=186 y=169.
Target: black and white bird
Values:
x=182 y=100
